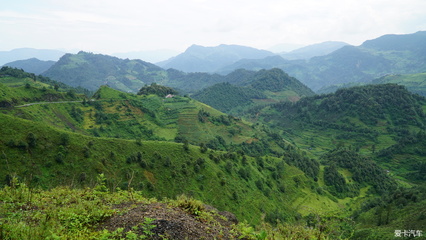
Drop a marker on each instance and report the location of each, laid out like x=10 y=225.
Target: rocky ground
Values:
x=173 y=222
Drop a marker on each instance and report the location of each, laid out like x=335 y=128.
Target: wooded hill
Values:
x=369 y=118
x=90 y=71
x=298 y=163
x=257 y=88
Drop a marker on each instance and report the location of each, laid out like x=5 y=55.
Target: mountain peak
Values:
x=198 y=58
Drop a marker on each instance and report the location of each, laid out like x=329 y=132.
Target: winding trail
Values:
x=29 y=104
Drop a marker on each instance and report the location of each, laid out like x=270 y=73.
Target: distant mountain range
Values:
x=27 y=53
x=212 y=59
x=389 y=54
x=32 y=65
x=209 y=59
x=91 y=71
x=317 y=66
x=319 y=49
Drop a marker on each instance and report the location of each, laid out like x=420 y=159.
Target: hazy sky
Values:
x=108 y=26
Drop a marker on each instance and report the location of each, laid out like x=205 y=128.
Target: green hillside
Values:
x=253 y=89
x=226 y=97
x=147 y=117
x=19 y=88
x=415 y=83
x=368 y=118
x=32 y=65
x=90 y=71
x=348 y=165
x=47 y=146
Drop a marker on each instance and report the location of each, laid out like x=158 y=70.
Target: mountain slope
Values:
x=20 y=87
x=252 y=89
x=93 y=70
x=415 y=83
x=369 y=118
x=313 y=50
x=32 y=65
x=396 y=42
x=226 y=97
x=209 y=59
x=45 y=145
x=160 y=169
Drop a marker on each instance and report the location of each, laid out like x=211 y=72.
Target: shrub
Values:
x=64 y=139
x=59 y=158
x=228 y=167
x=31 y=140
x=86 y=152
x=167 y=162
x=190 y=205
x=186 y=146
x=22 y=145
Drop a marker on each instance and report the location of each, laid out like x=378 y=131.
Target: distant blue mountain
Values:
x=27 y=53
x=151 y=56
x=314 y=50
x=389 y=54
x=32 y=65
x=209 y=59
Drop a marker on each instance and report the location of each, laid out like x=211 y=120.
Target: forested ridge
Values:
x=370 y=104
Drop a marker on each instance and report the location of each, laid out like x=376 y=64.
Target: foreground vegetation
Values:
x=96 y=213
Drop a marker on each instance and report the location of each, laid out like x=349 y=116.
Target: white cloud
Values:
x=119 y=26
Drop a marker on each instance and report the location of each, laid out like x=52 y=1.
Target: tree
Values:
x=31 y=140
x=64 y=139
x=186 y=146
x=156 y=89
x=203 y=148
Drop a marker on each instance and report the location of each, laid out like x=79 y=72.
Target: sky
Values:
x=107 y=26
